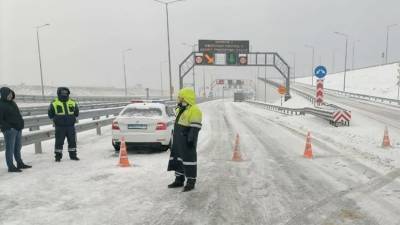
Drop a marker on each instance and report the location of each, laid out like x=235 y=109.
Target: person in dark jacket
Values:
x=11 y=124
x=183 y=158
x=63 y=111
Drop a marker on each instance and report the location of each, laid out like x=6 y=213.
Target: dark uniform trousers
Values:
x=62 y=132
x=183 y=158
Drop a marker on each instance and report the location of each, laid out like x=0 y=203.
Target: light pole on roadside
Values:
x=161 y=77
x=40 y=57
x=353 y=57
x=124 y=67
x=294 y=66
x=333 y=60
x=169 y=45
x=398 y=82
x=193 y=72
x=345 y=57
x=387 y=41
x=312 y=62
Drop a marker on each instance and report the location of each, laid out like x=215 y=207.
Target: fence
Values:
x=357 y=95
x=327 y=113
x=41 y=110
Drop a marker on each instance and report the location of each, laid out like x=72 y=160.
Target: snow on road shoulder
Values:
x=361 y=140
x=359 y=81
x=92 y=191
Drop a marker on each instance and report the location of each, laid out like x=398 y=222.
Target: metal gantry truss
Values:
x=261 y=59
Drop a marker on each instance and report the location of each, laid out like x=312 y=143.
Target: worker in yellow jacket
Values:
x=183 y=159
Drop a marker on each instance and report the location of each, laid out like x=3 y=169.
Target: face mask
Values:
x=182 y=104
x=10 y=96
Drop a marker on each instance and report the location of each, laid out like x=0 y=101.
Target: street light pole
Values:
x=265 y=84
x=387 y=41
x=193 y=72
x=161 y=80
x=345 y=58
x=294 y=66
x=124 y=66
x=333 y=61
x=353 y=58
x=169 y=44
x=312 y=63
x=40 y=57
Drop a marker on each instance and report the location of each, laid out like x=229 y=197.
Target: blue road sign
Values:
x=320 y=72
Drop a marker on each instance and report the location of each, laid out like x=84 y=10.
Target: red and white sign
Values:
x=199 y=59
x=220 y=81
x=243 y=60
x=320 y=92
x=341 y=116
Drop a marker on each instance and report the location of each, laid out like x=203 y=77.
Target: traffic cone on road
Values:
x=237 y=156
x=123 y=154
x=386 y=139
x=308 y=151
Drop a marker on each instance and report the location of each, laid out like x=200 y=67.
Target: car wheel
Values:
x=166 y=147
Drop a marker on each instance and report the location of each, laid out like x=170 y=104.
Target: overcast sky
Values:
x=83 y=44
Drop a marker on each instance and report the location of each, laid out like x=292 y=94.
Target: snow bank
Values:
x=378 y=81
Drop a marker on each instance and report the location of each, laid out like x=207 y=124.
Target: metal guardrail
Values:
x=42 y=120
x=41 y=110
x=36 y=137
x=39 y=98
x=280 y=109
x=357 y=95
x=326 y=113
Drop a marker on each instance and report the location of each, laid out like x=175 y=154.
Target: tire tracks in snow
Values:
x=322 y=204
x=217 y=198
x=356 y=190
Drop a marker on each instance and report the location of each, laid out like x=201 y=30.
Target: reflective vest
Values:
x=59 y=107
x=191 y=117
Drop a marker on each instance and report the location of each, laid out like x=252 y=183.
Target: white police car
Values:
x=144 y=124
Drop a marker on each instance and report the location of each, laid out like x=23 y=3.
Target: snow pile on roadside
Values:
x=378 y=81
x=361 y=140
x=295 y=101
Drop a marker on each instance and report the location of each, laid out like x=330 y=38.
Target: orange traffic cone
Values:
x=308 y=151
x=386 y=140
x=123 y=154
x=237 y=156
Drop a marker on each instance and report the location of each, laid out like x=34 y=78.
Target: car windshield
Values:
x=142 y=112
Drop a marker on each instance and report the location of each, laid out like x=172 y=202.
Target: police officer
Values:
x=63 y=111
x=183 y=159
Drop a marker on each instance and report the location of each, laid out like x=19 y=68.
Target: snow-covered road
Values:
x=273 y=185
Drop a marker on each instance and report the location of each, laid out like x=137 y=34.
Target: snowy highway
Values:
x=273 y=185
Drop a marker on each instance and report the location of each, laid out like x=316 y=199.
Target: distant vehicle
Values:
x=144 y=125
x=239 y=96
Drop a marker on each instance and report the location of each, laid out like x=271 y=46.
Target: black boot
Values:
x=58 y=156
x=189 y=185
x=23 y=166
x=14 y=169
x=72 y=155
x=179 y=180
